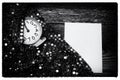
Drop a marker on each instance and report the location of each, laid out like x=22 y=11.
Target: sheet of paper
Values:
x=86 y=39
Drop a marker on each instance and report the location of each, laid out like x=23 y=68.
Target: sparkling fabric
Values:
x=55 y=57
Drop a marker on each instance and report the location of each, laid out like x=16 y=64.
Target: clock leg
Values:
x=39 y=42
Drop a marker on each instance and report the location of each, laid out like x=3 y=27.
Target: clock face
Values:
x=32 y=31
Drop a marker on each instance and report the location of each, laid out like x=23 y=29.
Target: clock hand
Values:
x=27 y=28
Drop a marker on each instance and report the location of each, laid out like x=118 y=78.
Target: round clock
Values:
x=31 y=29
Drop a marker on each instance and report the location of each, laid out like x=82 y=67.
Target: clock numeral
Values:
x=35 y=34
x=27 y=22
x=31 y=22
x=29 y=38
x=36 y=30
x=35 y=25
x=33 y=37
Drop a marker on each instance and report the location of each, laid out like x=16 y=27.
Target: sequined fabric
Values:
x=54 y=58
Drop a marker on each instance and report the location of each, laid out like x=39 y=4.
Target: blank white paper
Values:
x=86 y=39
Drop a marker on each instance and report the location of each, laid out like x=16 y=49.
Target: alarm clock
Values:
x=31 y=31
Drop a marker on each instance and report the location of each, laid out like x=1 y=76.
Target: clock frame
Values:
x=34 y=21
